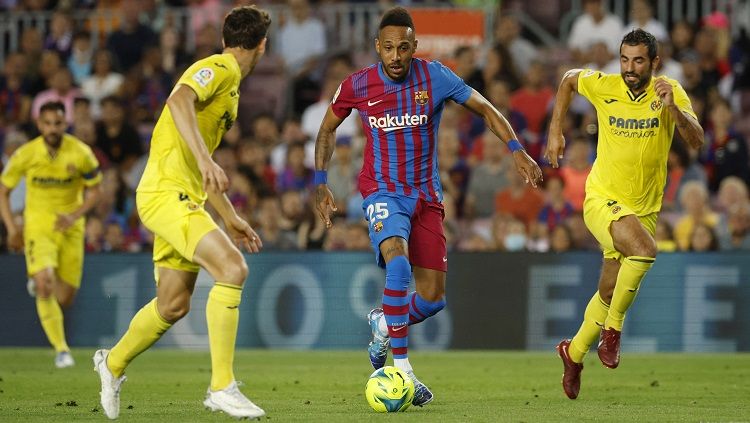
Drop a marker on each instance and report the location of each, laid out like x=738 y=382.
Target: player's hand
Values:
x=555 y=148
x=325 y=204
x=664 y=90
x=528 y=168
x=64 y=221
x=214 y=177
x=243 y=235
x=15 y=240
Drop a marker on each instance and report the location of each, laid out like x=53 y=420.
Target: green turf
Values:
x=168 y=386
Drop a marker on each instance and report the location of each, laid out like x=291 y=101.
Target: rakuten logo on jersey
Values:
x=390 y=123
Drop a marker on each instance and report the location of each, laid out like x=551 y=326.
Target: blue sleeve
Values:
x=450 y=85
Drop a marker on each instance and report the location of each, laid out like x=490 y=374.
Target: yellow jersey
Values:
x=635 y=134
x=54 y=184
x=171 y=164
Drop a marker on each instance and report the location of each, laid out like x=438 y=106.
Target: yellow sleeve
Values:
x=589 y=82
x=15 y=169
x=205 y=77
x=90 y=167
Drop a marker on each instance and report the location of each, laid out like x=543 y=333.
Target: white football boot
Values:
x=231 y=401
x=110 y=393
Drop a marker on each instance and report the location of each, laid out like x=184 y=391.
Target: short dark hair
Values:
x=397 y=16
x=639 y=36
x=245 y=27
x=52 y=106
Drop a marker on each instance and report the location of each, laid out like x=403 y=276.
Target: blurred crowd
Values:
x=115 y=87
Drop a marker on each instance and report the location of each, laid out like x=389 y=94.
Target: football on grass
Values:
x=389 y=390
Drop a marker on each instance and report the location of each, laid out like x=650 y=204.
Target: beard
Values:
x=640 y=82
x=53 y=140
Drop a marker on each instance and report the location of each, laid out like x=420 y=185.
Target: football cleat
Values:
x=609 y=348
x=571 y=379
x=110 y=393
x=378 y=348
x=422 y=394
x=63 y=359
x=231 y=401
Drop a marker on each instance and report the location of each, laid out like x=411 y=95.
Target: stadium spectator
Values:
x=642 y=16
x=703 y=239
x=302 y=43
x=295 y=175
x=61 y=89
x=519 y=200
x=664 y=237
x=561 y=239
x=733 y=230
x=725 y=153
x=103 y=82
x=556 y=208
x=466 y=67
x=130 y=41
x=508 y=33
x=498 y=93
x=343 y=171
x=682 y=35
x=681 y=168
x=172 y=48
x=81 y=53
x=575 y=170
x=15 y=98
x=595 y=24
x=694 y=202
x=60 y=37
x=499 y=65
x=117 y=138
x=532 y=101
x=487 y=179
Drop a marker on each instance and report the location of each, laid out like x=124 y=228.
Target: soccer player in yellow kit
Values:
x=179 y=177
x=58 y=169
x=636 y=114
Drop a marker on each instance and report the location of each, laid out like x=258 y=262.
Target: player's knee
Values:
x=434 y=294
x=606 y=294
x=174 y=311
x=65 y=301
x=236 y=273
x=645 y=248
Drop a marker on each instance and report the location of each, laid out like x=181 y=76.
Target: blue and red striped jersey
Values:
x=400 y=120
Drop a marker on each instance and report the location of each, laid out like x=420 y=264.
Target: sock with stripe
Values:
x=632 y=271
x=420 y=309
x=145 y=329
x=51 y=317
x=396 y=307
x=593 y=320
x=222 y=317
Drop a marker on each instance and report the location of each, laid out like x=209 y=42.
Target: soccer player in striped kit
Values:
x=400 y=101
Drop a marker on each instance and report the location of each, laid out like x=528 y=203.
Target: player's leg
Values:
x=638 y=247
x=429 y=257
x=49 y=310
x=389 y=221
x=223 y=260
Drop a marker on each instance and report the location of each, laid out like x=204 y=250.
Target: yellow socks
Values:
x=593 y=320
x=51 y=317
x=632 y=271
x=222 y=318
x=145 y=329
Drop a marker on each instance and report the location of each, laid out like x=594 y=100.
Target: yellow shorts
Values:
x=178 y=224
x=46 y=247
x=599 y=213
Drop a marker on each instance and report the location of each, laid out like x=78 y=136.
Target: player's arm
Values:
x=241 y=233
x=90 y=198
x=15 y=240
x=324 y=145
x=555 y=139
x=497 y=123
x=688 y=126
x=181 y=105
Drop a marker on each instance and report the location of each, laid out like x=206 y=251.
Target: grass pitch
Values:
x=327 y=386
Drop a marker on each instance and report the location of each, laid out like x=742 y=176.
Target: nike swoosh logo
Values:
x=445 y=259
x=372 y=103
x=394 y=128
x=396 y=329
x=611 y=100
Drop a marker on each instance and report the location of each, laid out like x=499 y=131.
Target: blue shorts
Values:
x=417 y=221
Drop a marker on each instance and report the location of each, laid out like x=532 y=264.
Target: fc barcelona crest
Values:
x=421 y=97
